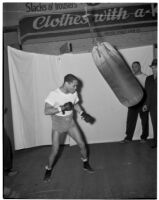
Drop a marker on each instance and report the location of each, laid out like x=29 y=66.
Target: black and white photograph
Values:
x=79 y=100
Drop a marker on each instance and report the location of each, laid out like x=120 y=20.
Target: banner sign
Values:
x=47 y=7
x=13 y=12
x=101 y=20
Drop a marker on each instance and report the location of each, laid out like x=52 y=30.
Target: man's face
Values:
x=136 y=68
x=154 y=70
x=72 y=86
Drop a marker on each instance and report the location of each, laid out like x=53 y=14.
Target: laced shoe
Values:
x=126 y=140
x=87 y=167
x=47 y=176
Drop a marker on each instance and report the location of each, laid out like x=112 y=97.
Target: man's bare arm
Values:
x=78 y=108
x=50 y=110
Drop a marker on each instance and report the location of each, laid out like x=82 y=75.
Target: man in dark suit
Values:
x=151 y=101
x=136 y=110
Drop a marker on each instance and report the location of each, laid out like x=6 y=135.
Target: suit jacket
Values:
x=151 y=92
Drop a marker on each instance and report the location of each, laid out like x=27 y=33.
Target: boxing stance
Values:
x=60 y=104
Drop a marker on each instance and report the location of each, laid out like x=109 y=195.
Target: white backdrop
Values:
x=33 y=76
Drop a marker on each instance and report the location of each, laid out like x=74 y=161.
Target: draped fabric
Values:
x=33 y=76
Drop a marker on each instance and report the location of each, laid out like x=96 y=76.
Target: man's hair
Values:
x=136 y=62
x=70 y=78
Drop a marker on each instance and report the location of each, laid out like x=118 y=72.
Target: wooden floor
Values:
x=122 y=171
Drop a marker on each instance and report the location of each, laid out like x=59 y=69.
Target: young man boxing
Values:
x=60 y=105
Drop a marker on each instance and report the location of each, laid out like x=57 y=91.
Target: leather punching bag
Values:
x=117 y=74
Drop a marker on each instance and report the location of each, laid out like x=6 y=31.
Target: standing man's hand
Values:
x=145 y=108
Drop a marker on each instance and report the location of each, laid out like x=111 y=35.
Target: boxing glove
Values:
x=66 y=107
x=87 y=118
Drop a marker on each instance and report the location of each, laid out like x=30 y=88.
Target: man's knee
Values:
x=54 y=149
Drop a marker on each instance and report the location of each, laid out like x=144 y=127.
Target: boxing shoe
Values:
x=87 y=167
x=47 y=176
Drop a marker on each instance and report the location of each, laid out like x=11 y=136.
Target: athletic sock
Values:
x=84 y=159
x=48 y=172
x=47 y=168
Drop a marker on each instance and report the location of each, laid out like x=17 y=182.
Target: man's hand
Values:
x=67 y=107
x=87 y=118
x=144 y=108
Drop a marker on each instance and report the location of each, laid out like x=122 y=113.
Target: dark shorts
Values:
x=62 y=124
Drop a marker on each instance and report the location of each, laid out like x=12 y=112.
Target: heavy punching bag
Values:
x=115 y=70
x=117 y=74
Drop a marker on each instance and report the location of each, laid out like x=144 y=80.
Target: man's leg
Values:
x=153 y=114
x=7 y=156
x=145 y=125
x=53 y=154
x=7 y=153
x=76 y=135
x=131 y=123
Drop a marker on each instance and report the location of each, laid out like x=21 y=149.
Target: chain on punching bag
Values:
x=116 y=72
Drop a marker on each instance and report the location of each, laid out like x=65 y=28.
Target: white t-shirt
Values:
x=58 y=98
x=141 y=78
